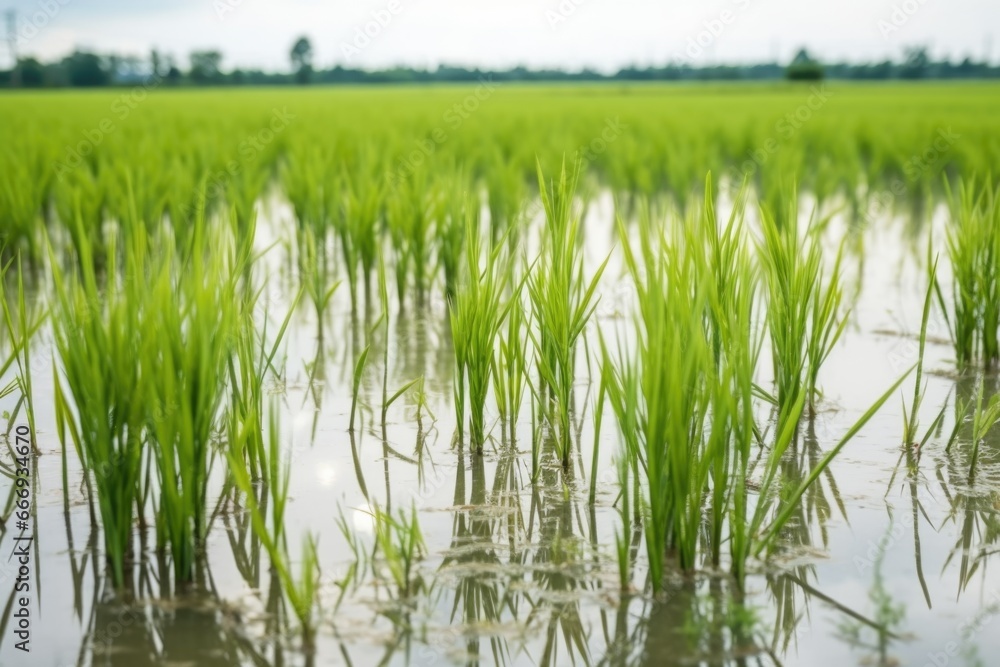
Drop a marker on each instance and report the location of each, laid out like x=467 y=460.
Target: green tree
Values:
x=29 y=73
x=86 y=69
x=804 y=68
x=205 y=66
x=301 y=56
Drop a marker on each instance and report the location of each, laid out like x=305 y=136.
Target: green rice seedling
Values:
x=304 y=183
x=21 y=327
x=359 y=371
x=767 y=532
x=249 y=366
x=623 y=540
x=23 y=195
x=401 y=544
x=477 y=313
x=381 y=323
x=360 y=230
x=911 y=422
x=505 y=189
x=450 y=229
x=562 y=301
x=80 y=195
x=973 y=241
x=314 y=275
x=510 y=368
x=190 y=325
x=409 y=219
x=803 y=303
x=99 y=335
x=672 y=399
x=684 y=398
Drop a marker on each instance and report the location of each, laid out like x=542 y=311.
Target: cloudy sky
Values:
x=604 y=34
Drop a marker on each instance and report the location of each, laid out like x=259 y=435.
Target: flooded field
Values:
x=886 y=560
x=345 y=514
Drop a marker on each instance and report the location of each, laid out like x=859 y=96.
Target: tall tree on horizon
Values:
x=301 y=56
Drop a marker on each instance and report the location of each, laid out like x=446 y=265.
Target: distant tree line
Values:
x=86 y=69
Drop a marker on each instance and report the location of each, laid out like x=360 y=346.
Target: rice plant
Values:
x=477 y=315
x=684 y=397
x=803 y=303
x=21 y=325
x=911 y=422
x=191 y=324
x=452 y=222
x=99 y=335
x=562 y=301
x=682 y=403
x=505 y=188
x=409 y=220
x=360 y=231
x=510 y=367
x=314 y=275
x=973 y=242
x=249 y=365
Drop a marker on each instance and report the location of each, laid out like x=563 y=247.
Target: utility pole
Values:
x=15 y=74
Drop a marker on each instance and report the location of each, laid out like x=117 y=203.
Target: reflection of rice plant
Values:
x=721 y=621
x=983 y=419
x=301 y=591
x=888 y=619
x=358 y=564
x=974 y=252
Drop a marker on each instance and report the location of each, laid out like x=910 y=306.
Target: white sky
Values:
x=604 y=34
